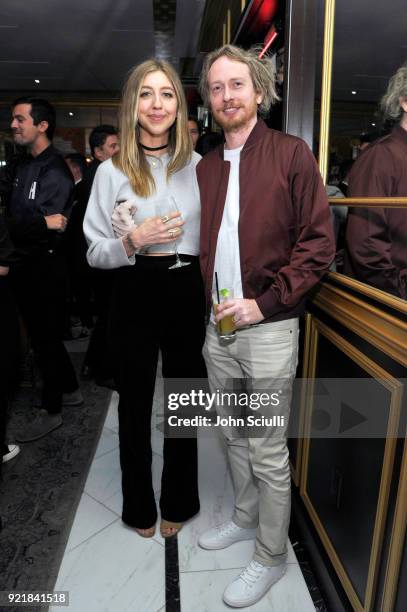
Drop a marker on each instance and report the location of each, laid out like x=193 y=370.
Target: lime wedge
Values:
x=224 y=293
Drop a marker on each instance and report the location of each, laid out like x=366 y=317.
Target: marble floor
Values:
x=108 y=568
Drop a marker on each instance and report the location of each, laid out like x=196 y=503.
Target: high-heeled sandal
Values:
x=175 y=527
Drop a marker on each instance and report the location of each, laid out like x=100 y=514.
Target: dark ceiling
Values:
x=89 y=45
x=84 y=49
x=370 y=43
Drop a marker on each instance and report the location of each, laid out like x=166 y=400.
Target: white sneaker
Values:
x=252 y=584
x=224 y=535
x=13 y=451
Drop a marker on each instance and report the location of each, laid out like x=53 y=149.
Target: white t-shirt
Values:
x=227 y=257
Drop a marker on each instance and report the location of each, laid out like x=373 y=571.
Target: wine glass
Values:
x=162 y=208
x=178 y=262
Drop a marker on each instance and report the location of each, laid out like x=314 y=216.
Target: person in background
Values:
x=344 y=169
x=153 y=177
x=10 y=341
x=266 y=236
x=194 y=131
x=338 y=215
x=38 y=208
x=208 y=141
x=80 y=283
x=376 y=245
x=103 y=143
x=77 y=164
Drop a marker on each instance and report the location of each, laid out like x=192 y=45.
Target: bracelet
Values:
x=131 y=243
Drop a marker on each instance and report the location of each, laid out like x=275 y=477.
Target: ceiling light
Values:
x=70 y=113
x=353 y=93
x=373 y=124
x=36 y=81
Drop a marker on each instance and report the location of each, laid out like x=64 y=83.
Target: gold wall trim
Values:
x=370 y=202
x=386 y=332
x=397 y=541
x=310 y=370
x=396 y=390
x=326 y=88
x=296 y=469
x=369 y=291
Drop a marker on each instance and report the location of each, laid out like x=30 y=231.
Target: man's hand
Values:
x=4 y=270
x=56 y=222
x=245 y=312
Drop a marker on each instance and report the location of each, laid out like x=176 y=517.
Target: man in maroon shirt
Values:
x=376 y=238
x=266 y=234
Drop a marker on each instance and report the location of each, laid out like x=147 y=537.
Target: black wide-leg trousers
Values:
x=155 y=308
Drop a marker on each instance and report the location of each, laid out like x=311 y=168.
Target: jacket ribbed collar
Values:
x=257 y=133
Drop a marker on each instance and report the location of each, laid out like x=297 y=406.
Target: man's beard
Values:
x=17 y=137
x=230 y=124
x=20 y=140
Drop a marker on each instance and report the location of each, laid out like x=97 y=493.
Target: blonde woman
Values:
x=156 y=306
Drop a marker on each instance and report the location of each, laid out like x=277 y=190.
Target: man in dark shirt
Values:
x=104 y=143
x=80 y=280
x=38 y=208
x=9 y=344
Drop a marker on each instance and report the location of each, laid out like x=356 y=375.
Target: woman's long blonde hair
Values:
x=131 y=158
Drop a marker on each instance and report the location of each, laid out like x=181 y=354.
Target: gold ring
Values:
x=172 y=232
x=165 y=219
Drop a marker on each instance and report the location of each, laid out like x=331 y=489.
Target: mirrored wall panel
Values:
x=370 y=45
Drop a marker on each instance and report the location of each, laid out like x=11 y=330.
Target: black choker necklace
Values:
x=154 y=148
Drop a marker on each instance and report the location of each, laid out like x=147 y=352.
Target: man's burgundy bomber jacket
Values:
x=285 y=228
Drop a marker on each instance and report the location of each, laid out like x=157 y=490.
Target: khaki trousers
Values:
x=267 y=354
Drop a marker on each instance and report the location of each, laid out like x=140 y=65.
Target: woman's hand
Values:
x=122 y=218
x=154 y=230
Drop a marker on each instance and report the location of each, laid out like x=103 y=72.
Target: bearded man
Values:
x=266 y=234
